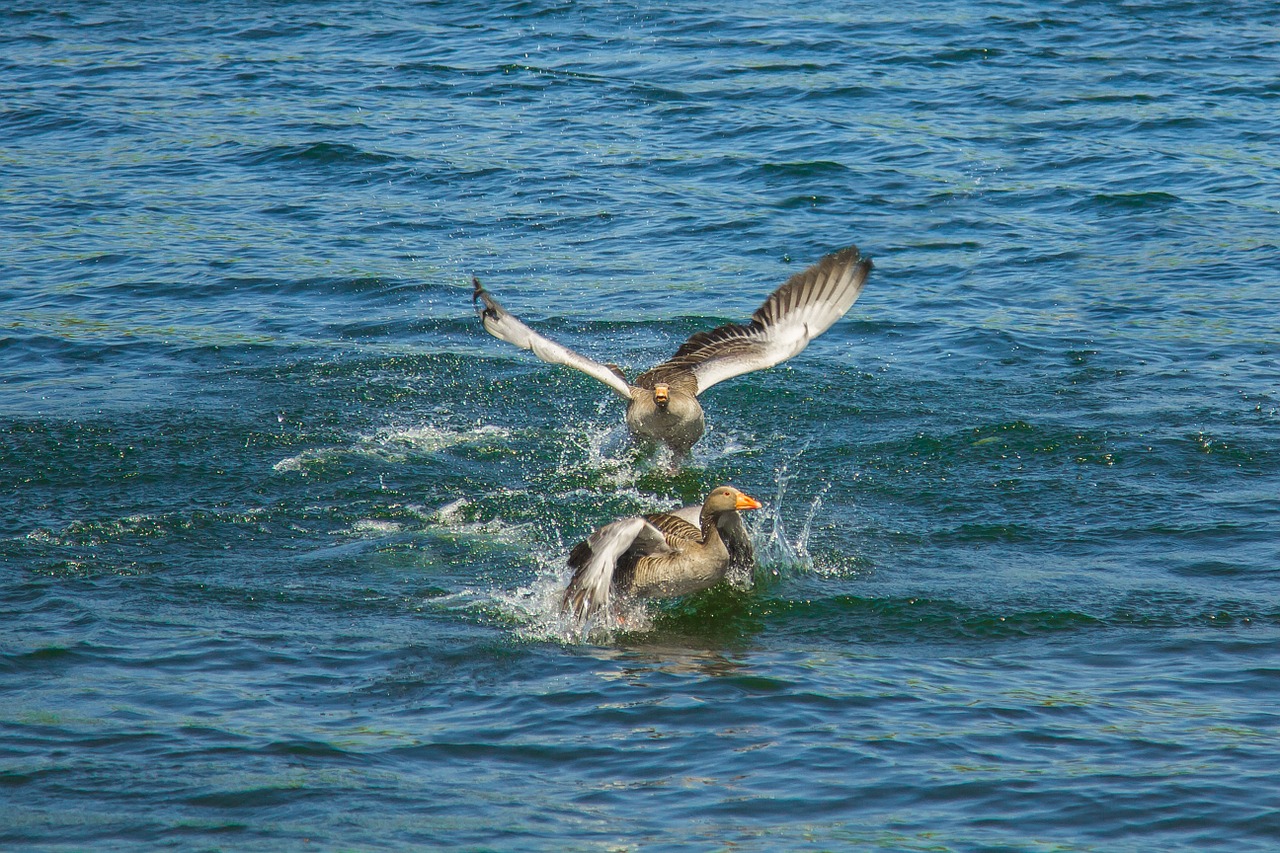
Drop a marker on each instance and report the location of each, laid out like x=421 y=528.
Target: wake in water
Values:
x=393 y=444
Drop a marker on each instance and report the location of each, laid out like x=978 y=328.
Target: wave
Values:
x=318 y=153
x=349 y=163
x=1154 y=200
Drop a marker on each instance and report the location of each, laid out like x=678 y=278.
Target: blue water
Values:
x=284 y=529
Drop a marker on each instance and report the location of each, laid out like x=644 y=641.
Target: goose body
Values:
x=662 y=403
x=742 y=553
x=660 y=555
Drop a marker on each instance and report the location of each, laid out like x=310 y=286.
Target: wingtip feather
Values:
x=480 y=295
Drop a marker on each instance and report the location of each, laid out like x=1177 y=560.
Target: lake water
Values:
x=284 y=529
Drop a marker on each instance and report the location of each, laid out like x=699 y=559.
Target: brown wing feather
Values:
x=675 y=530
x=673 y=526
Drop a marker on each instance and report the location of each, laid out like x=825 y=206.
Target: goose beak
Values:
x=661 y=393
x=745 y=501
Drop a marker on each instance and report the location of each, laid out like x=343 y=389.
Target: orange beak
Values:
x=745 y=501
x=660 y=392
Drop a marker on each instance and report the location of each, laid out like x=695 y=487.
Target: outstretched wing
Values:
x=595 y=560
x=505 y=327
x=794 y=314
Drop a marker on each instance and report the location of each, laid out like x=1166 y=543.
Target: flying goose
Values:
x=662 y=404
x=653 y=556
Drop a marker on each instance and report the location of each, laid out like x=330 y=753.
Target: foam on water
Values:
x=395 y=445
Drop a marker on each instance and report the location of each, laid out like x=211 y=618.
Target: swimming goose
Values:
x=662 y=404
x=653 y=556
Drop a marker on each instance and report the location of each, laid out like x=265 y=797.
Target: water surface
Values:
x=286 y=529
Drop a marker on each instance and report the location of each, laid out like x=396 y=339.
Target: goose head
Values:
x=726 y=499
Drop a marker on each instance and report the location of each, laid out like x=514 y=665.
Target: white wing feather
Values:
x=588 y=591
x=505 y=327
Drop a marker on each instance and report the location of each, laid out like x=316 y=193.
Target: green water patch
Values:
x=917 y=619
x=722 y=615
x=1151 y=200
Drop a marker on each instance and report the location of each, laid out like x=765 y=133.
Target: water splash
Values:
x=464 y=518
x=376 y=527
x=538 y=616
x=775 y=552
x=600 y=475
x=602 y=454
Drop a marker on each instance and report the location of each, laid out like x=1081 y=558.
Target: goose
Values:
x=653 y=556
x=662 y=404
